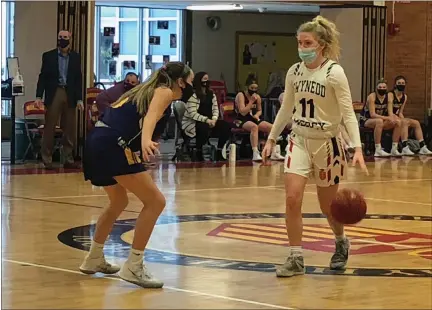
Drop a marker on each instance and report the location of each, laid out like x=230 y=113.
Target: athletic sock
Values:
x=341 y=237
x=296 y=251
x=422 y=143
x=394 y=146
x=378 y=147
x=404 y=143
x=96 y=250
x=135 y=257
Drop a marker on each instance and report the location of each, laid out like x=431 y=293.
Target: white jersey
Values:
x=316 y=100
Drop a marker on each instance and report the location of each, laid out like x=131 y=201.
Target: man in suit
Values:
x=61 y=81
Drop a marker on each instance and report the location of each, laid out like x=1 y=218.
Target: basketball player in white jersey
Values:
x=317 y=97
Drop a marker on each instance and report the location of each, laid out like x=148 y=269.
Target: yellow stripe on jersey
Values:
x=120 y=104
x=132 y=158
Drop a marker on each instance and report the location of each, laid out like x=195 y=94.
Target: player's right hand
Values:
x=149 y=148
x=38 y=104
x=267 y=151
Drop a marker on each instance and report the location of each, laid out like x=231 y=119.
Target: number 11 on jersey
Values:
x=311 y=105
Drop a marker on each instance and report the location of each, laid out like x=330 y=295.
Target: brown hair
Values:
x=327 y=35
x=142 y=94
x=251 y=79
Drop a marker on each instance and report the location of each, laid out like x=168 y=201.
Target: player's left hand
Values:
x=149 y=148
x=358 y=158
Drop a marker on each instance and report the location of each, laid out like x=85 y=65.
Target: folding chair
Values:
x=34 y=129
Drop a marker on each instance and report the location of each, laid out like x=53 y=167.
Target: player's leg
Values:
x=141 y=185
x=297 y=169
x=266 y=127
x=95 y=259
x=330 y=168
x=412 y=123
x=377 y=125
x=253 y=129
x=397 y=126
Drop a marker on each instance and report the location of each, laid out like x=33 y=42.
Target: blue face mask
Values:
x=308 y=55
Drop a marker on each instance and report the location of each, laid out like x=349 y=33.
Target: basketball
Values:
x=348 y=207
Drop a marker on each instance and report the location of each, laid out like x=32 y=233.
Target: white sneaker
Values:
x=425 y=151
x=256 y=156
x=140 y=276
x=407 y=152
x=276 y=155
x=99 y=264
x=395 y=153
x=381 y=153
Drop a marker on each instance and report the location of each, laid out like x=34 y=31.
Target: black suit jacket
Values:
x=49 y=78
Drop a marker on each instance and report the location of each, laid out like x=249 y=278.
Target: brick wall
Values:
x=409 y=53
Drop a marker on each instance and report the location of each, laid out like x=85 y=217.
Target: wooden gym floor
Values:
x=217 y=241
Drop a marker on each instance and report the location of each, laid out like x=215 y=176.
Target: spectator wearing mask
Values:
x=60 y=79
x=109 y=96
x=249 y=109
x=201 y=118
x=397 y=107
x=374 y=116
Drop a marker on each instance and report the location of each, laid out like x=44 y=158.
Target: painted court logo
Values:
x=317 y=238
x=364 y=240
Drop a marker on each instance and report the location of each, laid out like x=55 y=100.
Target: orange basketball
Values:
x=348 y=207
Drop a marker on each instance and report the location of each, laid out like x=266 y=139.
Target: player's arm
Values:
x=339 y=82
x=285 y=113
x=162 y=98
x=390 y=106
x=403 y=107
x=259 y=107
x=240 y=101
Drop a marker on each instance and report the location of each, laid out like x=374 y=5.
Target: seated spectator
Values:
x=374 y=116
x=396 y=107
x=202 y=117
x=109 y=96
x=249 y=109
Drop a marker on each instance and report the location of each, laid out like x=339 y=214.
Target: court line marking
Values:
x=174 y=191
x=256 y=303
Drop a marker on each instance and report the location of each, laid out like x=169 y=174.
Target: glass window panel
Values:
x=162 y=13
x=129 y=13
x=165 y=43
x=128 y=38
x=108 y=11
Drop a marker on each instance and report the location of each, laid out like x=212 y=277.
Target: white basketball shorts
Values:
x=325 y=158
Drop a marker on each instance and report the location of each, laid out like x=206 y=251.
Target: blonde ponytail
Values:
x=327 y=35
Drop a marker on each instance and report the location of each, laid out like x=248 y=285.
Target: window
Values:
x=7 y=45
x=134 y=39
x=162 y=13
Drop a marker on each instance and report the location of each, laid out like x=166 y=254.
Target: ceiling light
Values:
x=215 y=7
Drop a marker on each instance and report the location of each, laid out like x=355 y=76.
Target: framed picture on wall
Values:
x=148 y=62
x=154 y=40
x=173 y=40
x=162 y=24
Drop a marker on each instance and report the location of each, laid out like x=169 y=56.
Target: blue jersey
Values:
x=397 y=104
x=124 y=119
x=380 y=108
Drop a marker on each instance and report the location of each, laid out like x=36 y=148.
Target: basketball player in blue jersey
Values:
x=317 y=97
x=396 y=107
x=374 y=116
x=112 y=160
